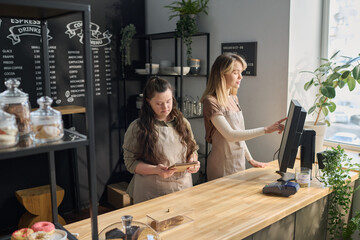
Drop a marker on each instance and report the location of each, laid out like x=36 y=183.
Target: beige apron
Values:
x=151 y=186
x=226 y=157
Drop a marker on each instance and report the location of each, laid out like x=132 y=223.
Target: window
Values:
x=344 y=35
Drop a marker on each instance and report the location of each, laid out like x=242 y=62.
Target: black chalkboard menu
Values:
x=21 y=58
x=247 y=50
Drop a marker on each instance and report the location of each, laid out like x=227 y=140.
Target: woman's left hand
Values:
x=258 y=164
x=194 y=169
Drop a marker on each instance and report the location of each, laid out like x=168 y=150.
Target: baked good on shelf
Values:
x=21 y=234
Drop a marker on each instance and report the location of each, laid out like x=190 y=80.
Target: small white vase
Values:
x=320 y=129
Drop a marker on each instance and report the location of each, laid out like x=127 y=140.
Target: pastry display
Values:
x=41 y=235
x=164 y=225
x=16 y=102
x=9 y=134
x=128 y=230
x=46 y=122
x=136 y=233
x=43 y=226
x=21 y=234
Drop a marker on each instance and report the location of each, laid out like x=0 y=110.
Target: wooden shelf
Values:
x=68 y=109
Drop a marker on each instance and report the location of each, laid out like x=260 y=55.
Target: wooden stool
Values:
x=117 y=196
x=37 y=201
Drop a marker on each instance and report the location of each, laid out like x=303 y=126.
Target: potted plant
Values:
x=327 y=77
x=331 y=74
x=186 y=27
x=336 y=175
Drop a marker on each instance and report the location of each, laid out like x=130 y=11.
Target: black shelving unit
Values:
x=44 y=10
x=178 y=47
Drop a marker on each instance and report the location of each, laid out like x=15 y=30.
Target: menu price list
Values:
x=22 y=58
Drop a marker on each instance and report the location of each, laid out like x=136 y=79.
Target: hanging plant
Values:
x=185 y=29
x=127 y=34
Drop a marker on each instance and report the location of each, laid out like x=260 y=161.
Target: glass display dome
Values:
x=128 y=230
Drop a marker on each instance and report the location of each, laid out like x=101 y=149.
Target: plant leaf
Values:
x=333 y=76
x=356 y=72
x=325 y=111
x=327 y=123
x=308 y=84
x=312 y=109
x=332 y=106
x=328 y=91
x=345 y=74
x=341 y=83
x=351 y=83
x=334 y=55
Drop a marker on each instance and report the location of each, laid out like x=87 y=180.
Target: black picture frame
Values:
x=247 y=50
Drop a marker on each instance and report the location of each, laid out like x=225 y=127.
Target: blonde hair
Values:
x=216 y=85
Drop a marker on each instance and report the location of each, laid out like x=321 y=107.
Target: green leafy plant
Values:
x=187 y=7
x=186 y=26
x=336 y=175
x=127 y=33
x=327 y=77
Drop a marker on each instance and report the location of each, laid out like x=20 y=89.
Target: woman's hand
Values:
x=194 y=169
x=258 y=164
x=164 y=172
x=277 y=126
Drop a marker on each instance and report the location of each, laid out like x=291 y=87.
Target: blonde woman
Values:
x=224 y=122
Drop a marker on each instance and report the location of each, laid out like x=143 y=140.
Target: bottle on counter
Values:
x=16 y=102
x=46 y=122
x=9 y=134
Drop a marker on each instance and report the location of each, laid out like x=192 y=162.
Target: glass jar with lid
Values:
x=16 y=102
x=9 y=134
x=46 y=122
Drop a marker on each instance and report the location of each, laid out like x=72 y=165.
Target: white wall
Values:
x=304 y=51
x=263 y=98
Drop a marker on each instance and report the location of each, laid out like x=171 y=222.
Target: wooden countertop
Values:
x=231 y=207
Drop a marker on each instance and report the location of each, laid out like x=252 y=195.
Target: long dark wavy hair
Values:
x=148 y=136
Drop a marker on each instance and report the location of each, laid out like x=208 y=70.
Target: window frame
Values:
x=324 y=54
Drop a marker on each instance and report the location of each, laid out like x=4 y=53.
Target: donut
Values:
x=21 y=234
x=40 y=235
x=44 y=226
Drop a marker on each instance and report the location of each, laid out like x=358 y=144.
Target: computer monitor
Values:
x=293 y=136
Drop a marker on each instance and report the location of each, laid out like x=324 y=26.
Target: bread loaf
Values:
x=143 y=233
x=166 y=224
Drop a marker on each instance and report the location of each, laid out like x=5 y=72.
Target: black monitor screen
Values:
x=291 y=136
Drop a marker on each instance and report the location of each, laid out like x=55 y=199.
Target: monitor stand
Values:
x=286 y=177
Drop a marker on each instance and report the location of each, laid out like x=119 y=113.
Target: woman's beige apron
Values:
x=151 y=186
x=226 y=157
